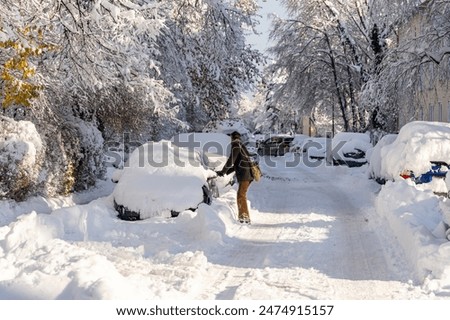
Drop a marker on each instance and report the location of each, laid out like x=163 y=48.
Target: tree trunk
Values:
x=341 y=100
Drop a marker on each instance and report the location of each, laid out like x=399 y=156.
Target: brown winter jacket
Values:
x=238 y=161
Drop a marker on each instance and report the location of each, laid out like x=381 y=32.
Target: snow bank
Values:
x=419 y=219
x=55 y=268
x=417 y=144
x=85 y=252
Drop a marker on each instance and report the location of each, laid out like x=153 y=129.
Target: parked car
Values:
x=374 y=157
x=275 y=145
x=435 y=177
x=350 y=148
x=315 y=148
x=161 y=179
x=420 y=152
x=345 y=148
x=297 y=144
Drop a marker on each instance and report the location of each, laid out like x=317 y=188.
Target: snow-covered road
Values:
x=312 y=236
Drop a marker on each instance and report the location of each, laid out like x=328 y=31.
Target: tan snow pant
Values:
x=242 y=200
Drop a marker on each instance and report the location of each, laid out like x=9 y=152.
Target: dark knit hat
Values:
x=235 y=135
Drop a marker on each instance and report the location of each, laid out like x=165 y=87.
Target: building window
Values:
x=431 y=113
x=440 y=112
x=421 y=112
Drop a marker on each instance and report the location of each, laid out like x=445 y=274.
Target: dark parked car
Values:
x=275 y=145
x=352 y=148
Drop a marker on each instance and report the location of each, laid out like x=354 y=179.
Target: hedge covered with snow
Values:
x=55 y=159
x=21 y=158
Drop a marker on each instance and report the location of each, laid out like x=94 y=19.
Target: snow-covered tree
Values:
x=416 y=59
x=147 y=68
x=205 y=59
x=329 y=51
x=65 y=53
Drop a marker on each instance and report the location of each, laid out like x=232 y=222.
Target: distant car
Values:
x=275 y=145
x=315 y=148
x=420 y=153
x=345 y=148
x=297 y=144
x=161 y=179
x=350 y=148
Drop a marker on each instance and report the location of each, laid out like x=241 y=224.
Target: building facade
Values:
x=430 y=99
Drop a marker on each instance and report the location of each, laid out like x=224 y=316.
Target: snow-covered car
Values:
x=374 y=157
x=296 y=146
x=161 y=179
x=275 y=145
x=350 y=148
x=434 y=178
x=315 y=148
x=346 y=148
x=420 y=153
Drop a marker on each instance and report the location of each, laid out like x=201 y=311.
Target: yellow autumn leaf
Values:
x=17 y=71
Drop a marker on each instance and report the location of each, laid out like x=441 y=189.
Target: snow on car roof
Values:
x=350 y=141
